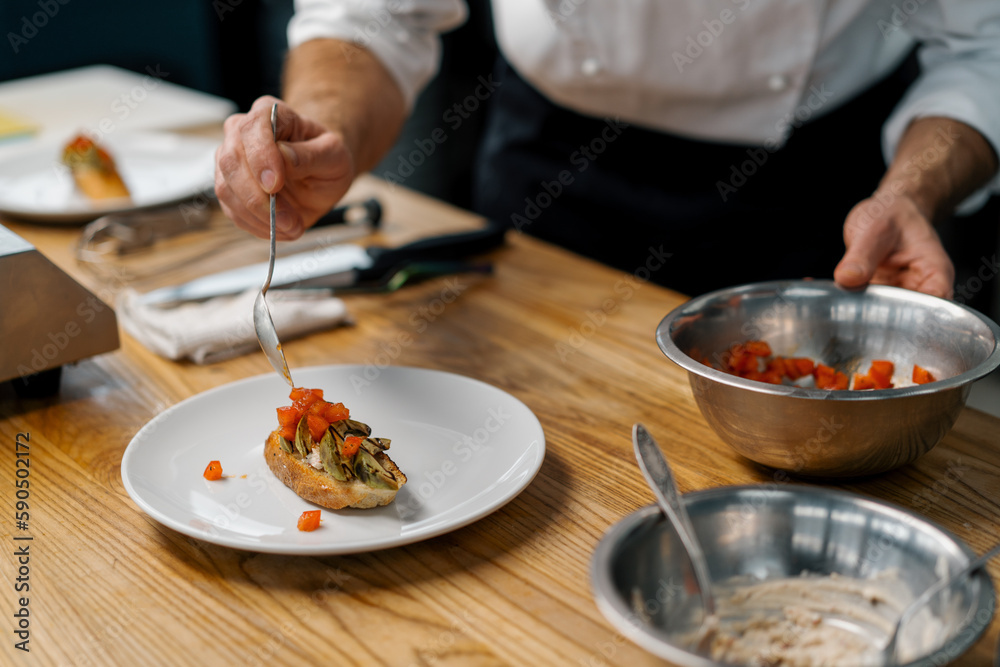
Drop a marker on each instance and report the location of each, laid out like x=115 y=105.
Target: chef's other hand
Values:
x=309 y=167
x=890 y=241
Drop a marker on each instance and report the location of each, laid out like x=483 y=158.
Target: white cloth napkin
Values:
x=222 y=328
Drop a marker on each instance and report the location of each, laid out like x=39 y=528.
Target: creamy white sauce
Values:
x=313 y=458
x=813 y=621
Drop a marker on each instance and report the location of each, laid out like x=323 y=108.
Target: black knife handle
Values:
x=435 y=248
x=342 y=214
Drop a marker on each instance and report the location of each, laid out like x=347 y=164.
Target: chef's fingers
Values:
x=288 y=225
x=928 y=268
x=262 y=155
x=869 y=239
x=324 y=156
x=894 y=244
x=240 y=195
x=318 y=173
x=234 y=208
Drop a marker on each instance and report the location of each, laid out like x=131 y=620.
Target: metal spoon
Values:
x=657 y=472
x=262 y=322
x=889 y=651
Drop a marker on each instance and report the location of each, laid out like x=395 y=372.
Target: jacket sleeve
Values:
x=403 y=34
x=960 y=73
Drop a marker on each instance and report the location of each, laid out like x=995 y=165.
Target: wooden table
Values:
x=570 y=338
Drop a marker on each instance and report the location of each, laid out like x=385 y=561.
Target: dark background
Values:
x=235 y=49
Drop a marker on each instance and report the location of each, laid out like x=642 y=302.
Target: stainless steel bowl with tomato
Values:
x=804 y=425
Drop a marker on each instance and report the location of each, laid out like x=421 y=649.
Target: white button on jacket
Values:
x=718 y=70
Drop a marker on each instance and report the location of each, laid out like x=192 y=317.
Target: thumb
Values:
x=869 y=241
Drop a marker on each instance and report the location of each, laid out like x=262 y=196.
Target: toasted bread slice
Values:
x=318 y=487
x=93 y=169
x=99 y=184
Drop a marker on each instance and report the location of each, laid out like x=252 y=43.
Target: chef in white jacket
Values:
x=711 y=142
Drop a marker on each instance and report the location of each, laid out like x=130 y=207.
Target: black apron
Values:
x=694 y=215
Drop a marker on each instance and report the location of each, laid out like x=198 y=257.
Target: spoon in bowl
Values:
x=889 y=651
x=660 y=478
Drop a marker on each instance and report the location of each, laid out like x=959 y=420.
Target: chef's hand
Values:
x=310 y=169
x=890 y=241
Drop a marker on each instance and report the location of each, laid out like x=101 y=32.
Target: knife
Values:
x=343 y=265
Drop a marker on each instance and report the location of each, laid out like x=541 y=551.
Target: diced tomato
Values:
x=922 y=376
x=754 y=360
x=317 y=426
x=303 y=404
x=796 y=367
x=317 y=408
x=840 y=380
x=352 y=444
x=882 y=367
x=863 y=382
x=301 y=392
x=741 y=361
x=288 y=432
x=309 y=520
x=334 y=412
x=303 y=399
x=823 y=373
x=881 y=372
x=758 y=347
x=771 y=377
x=288 y=415
x=213 y=471
x=828 y=378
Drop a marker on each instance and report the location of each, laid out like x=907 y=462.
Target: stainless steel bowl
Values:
x=639 y=568
x=822 y=433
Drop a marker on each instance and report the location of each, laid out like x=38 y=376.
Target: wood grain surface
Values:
x=570 y=338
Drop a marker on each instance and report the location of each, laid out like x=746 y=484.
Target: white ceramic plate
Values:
x=158 y=168
x=466 y=447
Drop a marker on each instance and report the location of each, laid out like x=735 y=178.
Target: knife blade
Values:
x=342 y=265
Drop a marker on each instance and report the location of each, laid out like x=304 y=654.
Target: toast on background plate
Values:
x=93 y=169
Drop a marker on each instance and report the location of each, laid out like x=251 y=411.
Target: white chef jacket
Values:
x=738 y=71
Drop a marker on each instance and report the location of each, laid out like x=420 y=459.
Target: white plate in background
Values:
x=158 y=168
